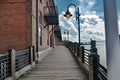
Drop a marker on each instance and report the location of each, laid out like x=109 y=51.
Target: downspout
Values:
x=37 y=26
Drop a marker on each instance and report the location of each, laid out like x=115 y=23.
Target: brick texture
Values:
x=18 y=27
x=13 y=25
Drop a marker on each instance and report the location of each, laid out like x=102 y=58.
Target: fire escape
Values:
x=51 y=17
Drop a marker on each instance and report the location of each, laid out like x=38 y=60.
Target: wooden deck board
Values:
x=58 y=65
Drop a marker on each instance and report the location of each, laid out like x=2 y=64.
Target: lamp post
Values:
x=67 y=34
x=64 y=36
x=68 y=15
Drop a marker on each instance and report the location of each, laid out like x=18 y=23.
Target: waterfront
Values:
x=101 y=51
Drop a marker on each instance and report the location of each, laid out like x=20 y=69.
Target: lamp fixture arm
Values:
x=71 y=5
x=76 y=10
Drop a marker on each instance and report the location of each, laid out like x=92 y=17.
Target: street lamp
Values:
x=64 y=36
x=68 y=15
x=67 y=34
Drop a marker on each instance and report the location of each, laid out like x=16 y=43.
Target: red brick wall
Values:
x=44 y=30
x=14 y=30
x=28 y=22
x=45 y=35
x=18 y=27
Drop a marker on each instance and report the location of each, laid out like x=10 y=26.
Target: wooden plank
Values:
x=58 y=65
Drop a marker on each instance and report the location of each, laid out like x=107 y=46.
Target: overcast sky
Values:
x=91 y=19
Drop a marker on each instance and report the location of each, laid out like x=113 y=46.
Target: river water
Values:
x=101 y=51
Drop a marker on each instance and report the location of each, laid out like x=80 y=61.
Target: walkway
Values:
x=58 y=65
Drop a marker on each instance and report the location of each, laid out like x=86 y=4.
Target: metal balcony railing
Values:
x=51 y=15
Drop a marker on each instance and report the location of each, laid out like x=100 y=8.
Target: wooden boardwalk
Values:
x=59 y=64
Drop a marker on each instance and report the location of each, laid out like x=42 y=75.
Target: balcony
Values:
x=51 y=15
x=57 y=32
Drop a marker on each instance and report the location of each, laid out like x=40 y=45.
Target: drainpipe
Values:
x=112 y=40
x=53 y=36
x=37 y=26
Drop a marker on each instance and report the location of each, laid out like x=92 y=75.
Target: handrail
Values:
x=100 y=72
x=87 y=50
x=22 y=52
x=86 y=56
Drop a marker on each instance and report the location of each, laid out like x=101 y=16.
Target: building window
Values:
x=40 y=35
x=40 y=17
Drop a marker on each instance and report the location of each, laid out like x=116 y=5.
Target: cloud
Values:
x=91 y=4
x=92 y=25
x=66 y=24
x=86 y=5
x=119 y=24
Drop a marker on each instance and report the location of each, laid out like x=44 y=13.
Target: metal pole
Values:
x=68 y=34
x=112 y=40
x=78 y=19
x=37 y=26
x=78 y=25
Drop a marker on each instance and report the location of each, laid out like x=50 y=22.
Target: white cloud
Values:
x=91 y=4
x=66 y=24
x=86 y=5
x=92 y=26
x=119 y=24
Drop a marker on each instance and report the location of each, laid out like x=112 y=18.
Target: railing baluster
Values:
x=82 y=50
x=78 y=50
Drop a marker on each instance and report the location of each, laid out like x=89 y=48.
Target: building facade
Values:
x=25 y=23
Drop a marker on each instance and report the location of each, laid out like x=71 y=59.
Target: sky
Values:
x=91 y=19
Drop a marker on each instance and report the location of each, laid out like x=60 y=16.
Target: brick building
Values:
x=25 y=23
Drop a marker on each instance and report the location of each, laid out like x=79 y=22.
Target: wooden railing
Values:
x=102 y=72
x=89 y=60
x=14 y=61
x=85 y=55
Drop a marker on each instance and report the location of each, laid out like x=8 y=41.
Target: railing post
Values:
x=31 y=55
x=74 y=48
x=69 y=45
x=78 y=50
x=93 y=65
x=34 y=55
x=82 y=53
x=12 y=53
x=93 y=44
